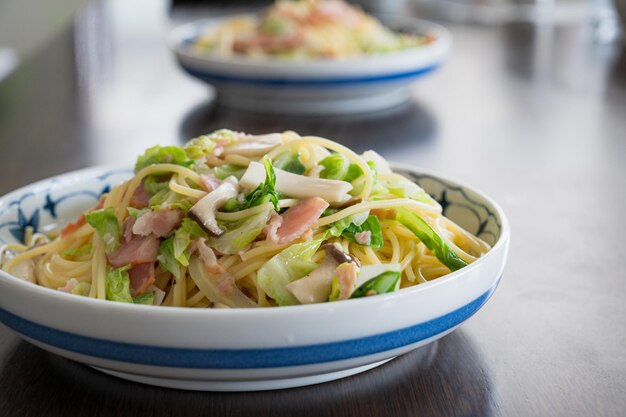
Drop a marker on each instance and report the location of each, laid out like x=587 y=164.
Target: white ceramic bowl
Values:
x=241 y=349
x=315 y=86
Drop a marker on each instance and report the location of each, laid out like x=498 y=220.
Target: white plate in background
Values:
x=314 y=86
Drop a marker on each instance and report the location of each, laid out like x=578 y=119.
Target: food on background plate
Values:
x=305 y=29
x=238 y=220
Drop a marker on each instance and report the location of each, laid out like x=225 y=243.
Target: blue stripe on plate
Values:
x=241 y=358
x=309 y=82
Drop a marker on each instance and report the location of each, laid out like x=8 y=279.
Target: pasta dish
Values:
x=305 y=29
x=238 y=220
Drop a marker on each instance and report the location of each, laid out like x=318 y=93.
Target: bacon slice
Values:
x=141 y=278
x=72 y=227
x=334 y=11
x=127 y=228
x=207 y=255
x=269 y=43
x=139 y=250
x=140 y=198
x=158 y=223
x=299 y=218
x=272 y=226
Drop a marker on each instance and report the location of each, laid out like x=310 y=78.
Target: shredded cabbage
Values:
x=82 y=288
x=292 y=263
x=239 y=234
x=162 y=155
x=265 y=191
x=229 y=170
x=118 y=285
x=290 y=162
x=189 y=230
x=106 y=225
x=167 y=259
x=146 y=298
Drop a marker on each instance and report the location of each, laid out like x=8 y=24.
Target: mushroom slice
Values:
x=368 y=272
x=203 y=212
x=254 y=145
x=340 y=256
x=298 y=186
x=316 y=287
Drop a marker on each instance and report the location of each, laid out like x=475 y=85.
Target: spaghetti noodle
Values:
x=296 y=220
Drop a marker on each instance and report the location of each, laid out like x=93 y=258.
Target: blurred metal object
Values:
x=620 y=8
x=604 y=21
x=494 y=12
x=383 y=6
x=8 y=62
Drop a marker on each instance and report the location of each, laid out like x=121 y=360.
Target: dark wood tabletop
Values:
x=533 y=115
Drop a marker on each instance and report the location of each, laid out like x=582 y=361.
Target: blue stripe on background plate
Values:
x=241 y=358
x=309 y=82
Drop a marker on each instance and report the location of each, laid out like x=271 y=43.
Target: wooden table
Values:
x=534 y=116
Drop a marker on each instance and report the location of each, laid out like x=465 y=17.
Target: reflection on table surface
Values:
x=445 y=375
x=534 y=115
x=398 y=126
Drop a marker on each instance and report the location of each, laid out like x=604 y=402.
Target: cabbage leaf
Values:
x=265 y=191
x=239 y=234
x=290 y=162
x=146 y=298
x=371 y=225
x=162 y=155
x=82 y=288
x=106 y=225
x=228 y=170
x=358 y=223
x=189 y=230
x=118 y=285
x=166 y=258
x=292 y=263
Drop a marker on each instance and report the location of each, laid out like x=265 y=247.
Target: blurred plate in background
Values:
x=315 y=86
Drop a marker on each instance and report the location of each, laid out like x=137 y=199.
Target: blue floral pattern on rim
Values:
x=36 y=209
x=39 y=208
x=461 y=205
